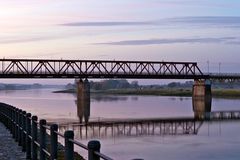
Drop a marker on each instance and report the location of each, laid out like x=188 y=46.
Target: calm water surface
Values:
x=215 y=140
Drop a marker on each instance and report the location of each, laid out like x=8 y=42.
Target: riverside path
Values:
x=9 y=149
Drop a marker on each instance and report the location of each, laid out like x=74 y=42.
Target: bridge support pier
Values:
x=83 y=100
x=202 y=99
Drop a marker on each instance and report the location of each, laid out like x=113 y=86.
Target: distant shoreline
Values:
x=181 y=92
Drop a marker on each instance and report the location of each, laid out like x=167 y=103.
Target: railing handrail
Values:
x=60 y=134
x=79 y=144
x=103 y=156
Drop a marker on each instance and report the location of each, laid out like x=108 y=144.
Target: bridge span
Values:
x=43 y=68
x=50 y=68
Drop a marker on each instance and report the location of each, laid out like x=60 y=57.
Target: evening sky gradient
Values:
x=205 y=31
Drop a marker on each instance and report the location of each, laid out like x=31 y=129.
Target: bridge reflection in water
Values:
x=83 y=100
x=137 y=127
x=110 y=128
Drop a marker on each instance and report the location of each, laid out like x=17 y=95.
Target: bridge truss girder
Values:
x=34 y=68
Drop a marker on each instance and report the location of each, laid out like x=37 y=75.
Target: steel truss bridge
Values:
x=48 y=68
x=33 y=68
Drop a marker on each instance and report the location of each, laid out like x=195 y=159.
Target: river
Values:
x=214 y=140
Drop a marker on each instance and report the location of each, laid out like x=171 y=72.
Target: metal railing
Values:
x=32 y=136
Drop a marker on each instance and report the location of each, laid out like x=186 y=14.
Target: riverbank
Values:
x=181 y=92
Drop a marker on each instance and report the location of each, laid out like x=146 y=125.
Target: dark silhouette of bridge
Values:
x=48 y=68
x=40 y=68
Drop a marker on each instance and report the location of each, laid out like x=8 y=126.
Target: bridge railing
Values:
x=32 y=135
x=224 y=76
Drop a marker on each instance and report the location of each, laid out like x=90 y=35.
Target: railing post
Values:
x=13 y=122
x=19 y=127
x=6 y=120
x=93 y=146
x=28 y=139
x=1 y=113
x=6 y=117
x=42 y=123
x=3 y=116
x=54 y=141
x=24 y=130
x=34 y=137
x=9 y=117
x=16 y=124
x=69 y=147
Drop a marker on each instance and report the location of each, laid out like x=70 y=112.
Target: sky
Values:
x=203 y=31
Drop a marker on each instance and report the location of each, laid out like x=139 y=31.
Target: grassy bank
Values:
x=156 y=92
x=228 y=93
x=186 y=92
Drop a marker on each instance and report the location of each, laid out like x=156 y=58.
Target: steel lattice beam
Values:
x=40 y=68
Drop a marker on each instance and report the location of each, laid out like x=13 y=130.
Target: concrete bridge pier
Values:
x=202 y=99
x=83 y=100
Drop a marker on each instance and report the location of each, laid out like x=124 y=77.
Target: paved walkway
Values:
x=9 y=149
